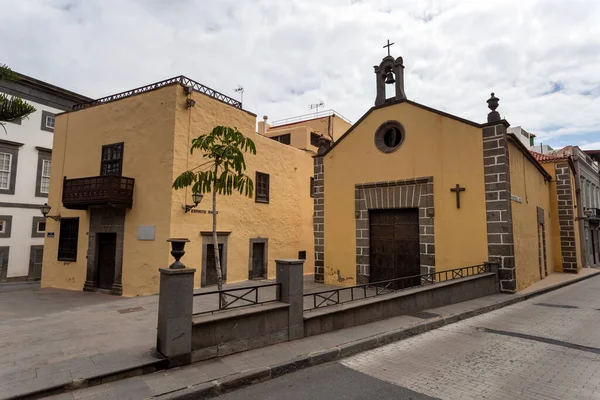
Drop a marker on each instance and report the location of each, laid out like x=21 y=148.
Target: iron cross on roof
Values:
x=388 y=46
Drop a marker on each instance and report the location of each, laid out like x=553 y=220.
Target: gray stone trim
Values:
x=566 y=217
x=319 y=218
x=380 y=136
x=4 y=255
x=496 y=169
x=251 y=254
x=34 y=226
x=222 y=238
x=42 y=93
x=20 y=205
x=33 y=249
x=42 y=155
x=8 y=228
x=105 y=220
x=43 y=122
x=13 y=149
x=407 y=193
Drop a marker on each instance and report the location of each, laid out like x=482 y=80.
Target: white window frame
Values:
x=44 y=176
x=50 y=118
x=9 y=170
x=37 y=228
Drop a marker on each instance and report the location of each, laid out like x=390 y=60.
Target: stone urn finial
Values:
x=493 y=105
x=177 y=246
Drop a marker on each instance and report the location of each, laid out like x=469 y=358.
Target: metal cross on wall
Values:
x=457 y=190
x=388 y=46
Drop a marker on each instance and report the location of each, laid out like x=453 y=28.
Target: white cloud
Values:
x=288 y=54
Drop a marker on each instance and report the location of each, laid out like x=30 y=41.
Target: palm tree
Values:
x=12 y=107
x=224 y=148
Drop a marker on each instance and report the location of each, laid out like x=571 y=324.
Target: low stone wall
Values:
x=228 y=332
x=400 y=303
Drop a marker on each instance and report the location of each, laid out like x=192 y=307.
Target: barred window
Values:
x=67 y=242
x=262 y=187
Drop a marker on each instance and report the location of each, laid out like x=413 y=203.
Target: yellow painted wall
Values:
x=340 y=127
x=527 y=182
x=145 y=123
x=448 y=150
x=286 y=221
x=299 y=136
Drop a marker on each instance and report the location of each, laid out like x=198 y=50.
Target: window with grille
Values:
x=5 y=165
x=262 y=187
x=67 y=241
x=285 y=139
x=112 y=159
x=45 y=179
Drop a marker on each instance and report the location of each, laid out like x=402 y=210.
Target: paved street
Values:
x=544 y=348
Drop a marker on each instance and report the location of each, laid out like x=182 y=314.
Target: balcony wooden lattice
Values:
x=81 y=193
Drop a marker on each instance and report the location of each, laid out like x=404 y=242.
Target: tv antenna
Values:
x=316 y=107
x=240 y=89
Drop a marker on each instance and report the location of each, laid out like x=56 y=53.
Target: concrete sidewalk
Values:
x=209 y=378
x=50 y=338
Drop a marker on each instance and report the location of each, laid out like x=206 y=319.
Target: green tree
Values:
x=222 y=173
x=12 y=107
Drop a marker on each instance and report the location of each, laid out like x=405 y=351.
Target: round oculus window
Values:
x=389 y=137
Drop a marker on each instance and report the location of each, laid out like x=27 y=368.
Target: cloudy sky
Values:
x=541 y=58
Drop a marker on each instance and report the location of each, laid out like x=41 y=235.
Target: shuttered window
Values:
x=262 y=187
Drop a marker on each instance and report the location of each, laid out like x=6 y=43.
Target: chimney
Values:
x=264 y=129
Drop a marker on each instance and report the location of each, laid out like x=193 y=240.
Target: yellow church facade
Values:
x=409 y=190
x=113 y=207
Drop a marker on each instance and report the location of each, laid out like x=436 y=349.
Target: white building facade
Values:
x=25 y=164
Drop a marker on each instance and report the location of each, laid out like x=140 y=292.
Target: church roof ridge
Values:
x=390 y=103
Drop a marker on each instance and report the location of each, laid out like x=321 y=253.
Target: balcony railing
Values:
x=81 y=193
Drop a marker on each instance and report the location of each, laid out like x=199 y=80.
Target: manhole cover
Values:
x=555 y=305
x=130 y=310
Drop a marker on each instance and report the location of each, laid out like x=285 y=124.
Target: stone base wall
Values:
x=566 y=217
x=498 y=204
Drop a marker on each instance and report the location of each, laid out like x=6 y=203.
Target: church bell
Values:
x=389 y=78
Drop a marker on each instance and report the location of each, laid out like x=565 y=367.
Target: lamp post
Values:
x=45 y=209
x=196 y=198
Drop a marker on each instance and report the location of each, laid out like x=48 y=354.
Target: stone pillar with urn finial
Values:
x=175 y=308
x=496 y=170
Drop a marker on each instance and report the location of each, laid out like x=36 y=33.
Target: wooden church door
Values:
x=394 y=245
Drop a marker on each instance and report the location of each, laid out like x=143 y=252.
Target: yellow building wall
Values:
x=299 y=136
x=527 y=182
x=448 y=150
x=286 y=220
x=340 y=127
x=145 y=124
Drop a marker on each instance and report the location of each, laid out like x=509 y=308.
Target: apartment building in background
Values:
x=25 y=165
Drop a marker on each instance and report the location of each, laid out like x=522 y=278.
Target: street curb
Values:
x=218 y=387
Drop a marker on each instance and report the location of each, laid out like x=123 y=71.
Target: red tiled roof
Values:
x=547 y=158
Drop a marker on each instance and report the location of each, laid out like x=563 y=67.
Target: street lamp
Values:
x=45 y=209
x=196 y=198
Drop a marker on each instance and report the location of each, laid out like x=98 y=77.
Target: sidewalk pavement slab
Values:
x=212 y=377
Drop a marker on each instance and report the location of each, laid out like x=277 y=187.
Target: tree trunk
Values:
x=222 y=300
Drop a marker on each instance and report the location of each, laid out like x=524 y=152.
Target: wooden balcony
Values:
x=82 y=193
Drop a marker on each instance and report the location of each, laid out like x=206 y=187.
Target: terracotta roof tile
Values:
x=548 y=158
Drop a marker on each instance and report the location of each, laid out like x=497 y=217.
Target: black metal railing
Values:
x=228 y=299
x=332 y=297
x=196 y=86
